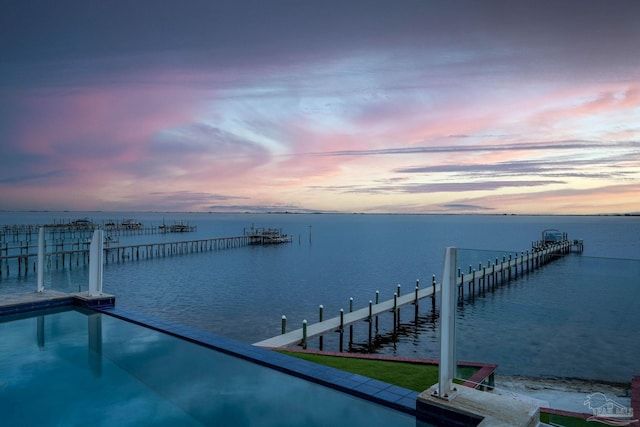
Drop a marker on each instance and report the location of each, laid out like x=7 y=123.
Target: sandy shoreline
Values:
x=567 y=394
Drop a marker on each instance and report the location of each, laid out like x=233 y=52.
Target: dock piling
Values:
x=370 y=320
x=433 y=295
x=341 y=329
x=416 y=304
x=350 y=326
x=395 y=313
x=304 y=334
x=321 y=340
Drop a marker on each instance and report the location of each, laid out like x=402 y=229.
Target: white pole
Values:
x=40 y=282
x=448 y=294
x=95 y=263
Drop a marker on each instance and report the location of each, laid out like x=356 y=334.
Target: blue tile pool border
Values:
x=376 y=391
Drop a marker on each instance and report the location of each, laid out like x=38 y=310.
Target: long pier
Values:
x=487 y=276
x=66 y=254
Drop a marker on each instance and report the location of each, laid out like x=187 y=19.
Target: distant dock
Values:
x=84 y=228
x=64 y=253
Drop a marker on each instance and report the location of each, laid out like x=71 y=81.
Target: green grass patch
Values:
x=562 y=420
x=412 y=376
x=415 y=376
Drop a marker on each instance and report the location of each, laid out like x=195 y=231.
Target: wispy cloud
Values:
x=524 y=146
x=438 y=187
x=41 y=178
x=462 y=207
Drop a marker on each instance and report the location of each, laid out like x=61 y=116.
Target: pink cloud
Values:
x=97 y=130
x=605 y=199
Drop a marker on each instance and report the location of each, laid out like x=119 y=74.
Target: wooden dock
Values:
x=299 y=336
x=67 y=254
x=25 y=233
x=485 y=277
x=493 y=273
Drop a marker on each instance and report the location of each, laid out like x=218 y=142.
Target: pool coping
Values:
x=30 y=301
x=392 y=396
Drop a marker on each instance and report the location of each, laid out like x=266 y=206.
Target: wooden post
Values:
x=304 y=334
x=377 y=300
x=20 y=260
x=350 y=326
x=321 y=308
x=26 y=259
x=416 y=302
x=487 y=277
x=41 y=255
x=433 y=294
x=398 y=292
x=395 y=313
x=472 y=283
x=341 y=328
x=370 y=320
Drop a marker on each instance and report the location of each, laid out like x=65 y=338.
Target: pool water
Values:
x=71 y=367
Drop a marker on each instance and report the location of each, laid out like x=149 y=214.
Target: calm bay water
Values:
x=574 y=318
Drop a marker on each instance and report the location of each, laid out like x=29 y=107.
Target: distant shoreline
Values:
x=631 y=214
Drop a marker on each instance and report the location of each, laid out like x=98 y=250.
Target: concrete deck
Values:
x=28 y=301
x=470 y=407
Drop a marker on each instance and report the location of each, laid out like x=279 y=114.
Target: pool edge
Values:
x=394 y=397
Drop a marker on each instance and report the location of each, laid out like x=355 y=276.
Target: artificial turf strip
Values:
x=411 y=376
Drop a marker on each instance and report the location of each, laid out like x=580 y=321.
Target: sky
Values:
x=403 y=106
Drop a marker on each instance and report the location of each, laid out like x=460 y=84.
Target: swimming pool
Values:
x=74 y=367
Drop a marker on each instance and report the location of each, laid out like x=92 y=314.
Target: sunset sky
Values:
x=404 y=106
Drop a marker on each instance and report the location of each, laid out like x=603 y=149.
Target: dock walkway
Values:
x=337 y=323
